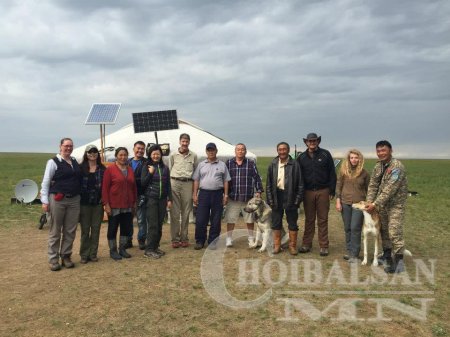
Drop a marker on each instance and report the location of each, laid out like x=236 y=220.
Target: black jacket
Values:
x=156 y=185
x=318 y=171
x=138 y=173
x=293 y=184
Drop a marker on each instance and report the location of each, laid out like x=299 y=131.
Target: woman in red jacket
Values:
x=119 y=200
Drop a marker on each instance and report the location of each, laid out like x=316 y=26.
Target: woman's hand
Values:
x=338 y=205
x=107 y=209
x=151 y=169
x=169 y=205
x=45 y=208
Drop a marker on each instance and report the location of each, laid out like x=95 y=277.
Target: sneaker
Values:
x=175 y=244
x=323 y=251
x=67 y=262
x=160 y=252
x=152 y=254
x=199 y=246
x=84 y=260
x=303 y=250
x=55 y=266
x=229 y=242
x=184 y=244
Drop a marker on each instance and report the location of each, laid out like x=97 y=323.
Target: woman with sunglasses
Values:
x=91 y=209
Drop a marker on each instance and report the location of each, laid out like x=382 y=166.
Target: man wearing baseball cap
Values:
x=210 y=194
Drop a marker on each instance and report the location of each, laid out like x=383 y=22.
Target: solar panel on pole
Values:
x=103 y=113
x=155 y=121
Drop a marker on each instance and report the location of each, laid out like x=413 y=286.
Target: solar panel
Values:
x=103 y=113
x=155 y=121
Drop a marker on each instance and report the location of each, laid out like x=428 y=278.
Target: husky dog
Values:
x=263 y=219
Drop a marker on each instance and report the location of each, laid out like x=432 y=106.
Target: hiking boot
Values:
x=396 y=265
x=54 y=266
x=323 y=251
x=303 y=250
x=293 y=242
x=387 y=253
x=67 y=262
x=113 y=250
x=160 y=252
x=141 y=244
x=199 y=246
x=152 y=254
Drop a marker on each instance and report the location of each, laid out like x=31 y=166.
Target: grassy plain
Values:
x=166 y=297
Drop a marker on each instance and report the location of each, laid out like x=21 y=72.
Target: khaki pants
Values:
x=90 y=222
x=64 y=216
x=316 y=203
x=181 y=207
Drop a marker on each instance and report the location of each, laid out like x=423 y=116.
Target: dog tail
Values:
x=406 y=252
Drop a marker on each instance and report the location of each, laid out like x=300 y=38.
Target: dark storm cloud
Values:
x=252 y=71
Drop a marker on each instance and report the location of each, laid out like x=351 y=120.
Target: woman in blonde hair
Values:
x=351 y=187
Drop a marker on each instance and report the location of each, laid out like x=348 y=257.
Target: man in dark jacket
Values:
x=319 y=177
x=136 y=163
x=284 y=194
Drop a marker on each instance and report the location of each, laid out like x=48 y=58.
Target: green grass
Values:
x=167 y=297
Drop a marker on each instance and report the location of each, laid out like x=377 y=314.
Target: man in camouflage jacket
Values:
x=388 y=191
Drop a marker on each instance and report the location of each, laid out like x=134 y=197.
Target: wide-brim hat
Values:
x=312 y=135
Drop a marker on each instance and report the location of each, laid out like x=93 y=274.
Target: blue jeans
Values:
x=210 y=208
x=353 y=221
x=141 y=217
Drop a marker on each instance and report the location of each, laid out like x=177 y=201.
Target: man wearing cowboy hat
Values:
x=317 y=166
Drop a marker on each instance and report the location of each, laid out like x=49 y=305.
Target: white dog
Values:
x=372 y=226
x=263 y=219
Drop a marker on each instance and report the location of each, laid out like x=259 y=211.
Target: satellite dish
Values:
x=26 y=191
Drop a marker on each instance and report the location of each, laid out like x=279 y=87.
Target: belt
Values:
x=181 y=179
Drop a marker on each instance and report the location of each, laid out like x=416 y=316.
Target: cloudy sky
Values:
x=256 y=72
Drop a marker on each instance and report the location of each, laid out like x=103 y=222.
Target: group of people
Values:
x=146 y=187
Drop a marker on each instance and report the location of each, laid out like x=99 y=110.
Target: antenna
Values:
x=26 y=191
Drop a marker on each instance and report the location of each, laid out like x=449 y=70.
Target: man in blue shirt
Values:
x=210 y=194
x=136 y=163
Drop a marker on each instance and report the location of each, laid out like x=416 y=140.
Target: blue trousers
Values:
x=210 y=208
x=353 y=221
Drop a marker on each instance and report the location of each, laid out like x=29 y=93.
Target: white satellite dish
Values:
x=26 y=191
